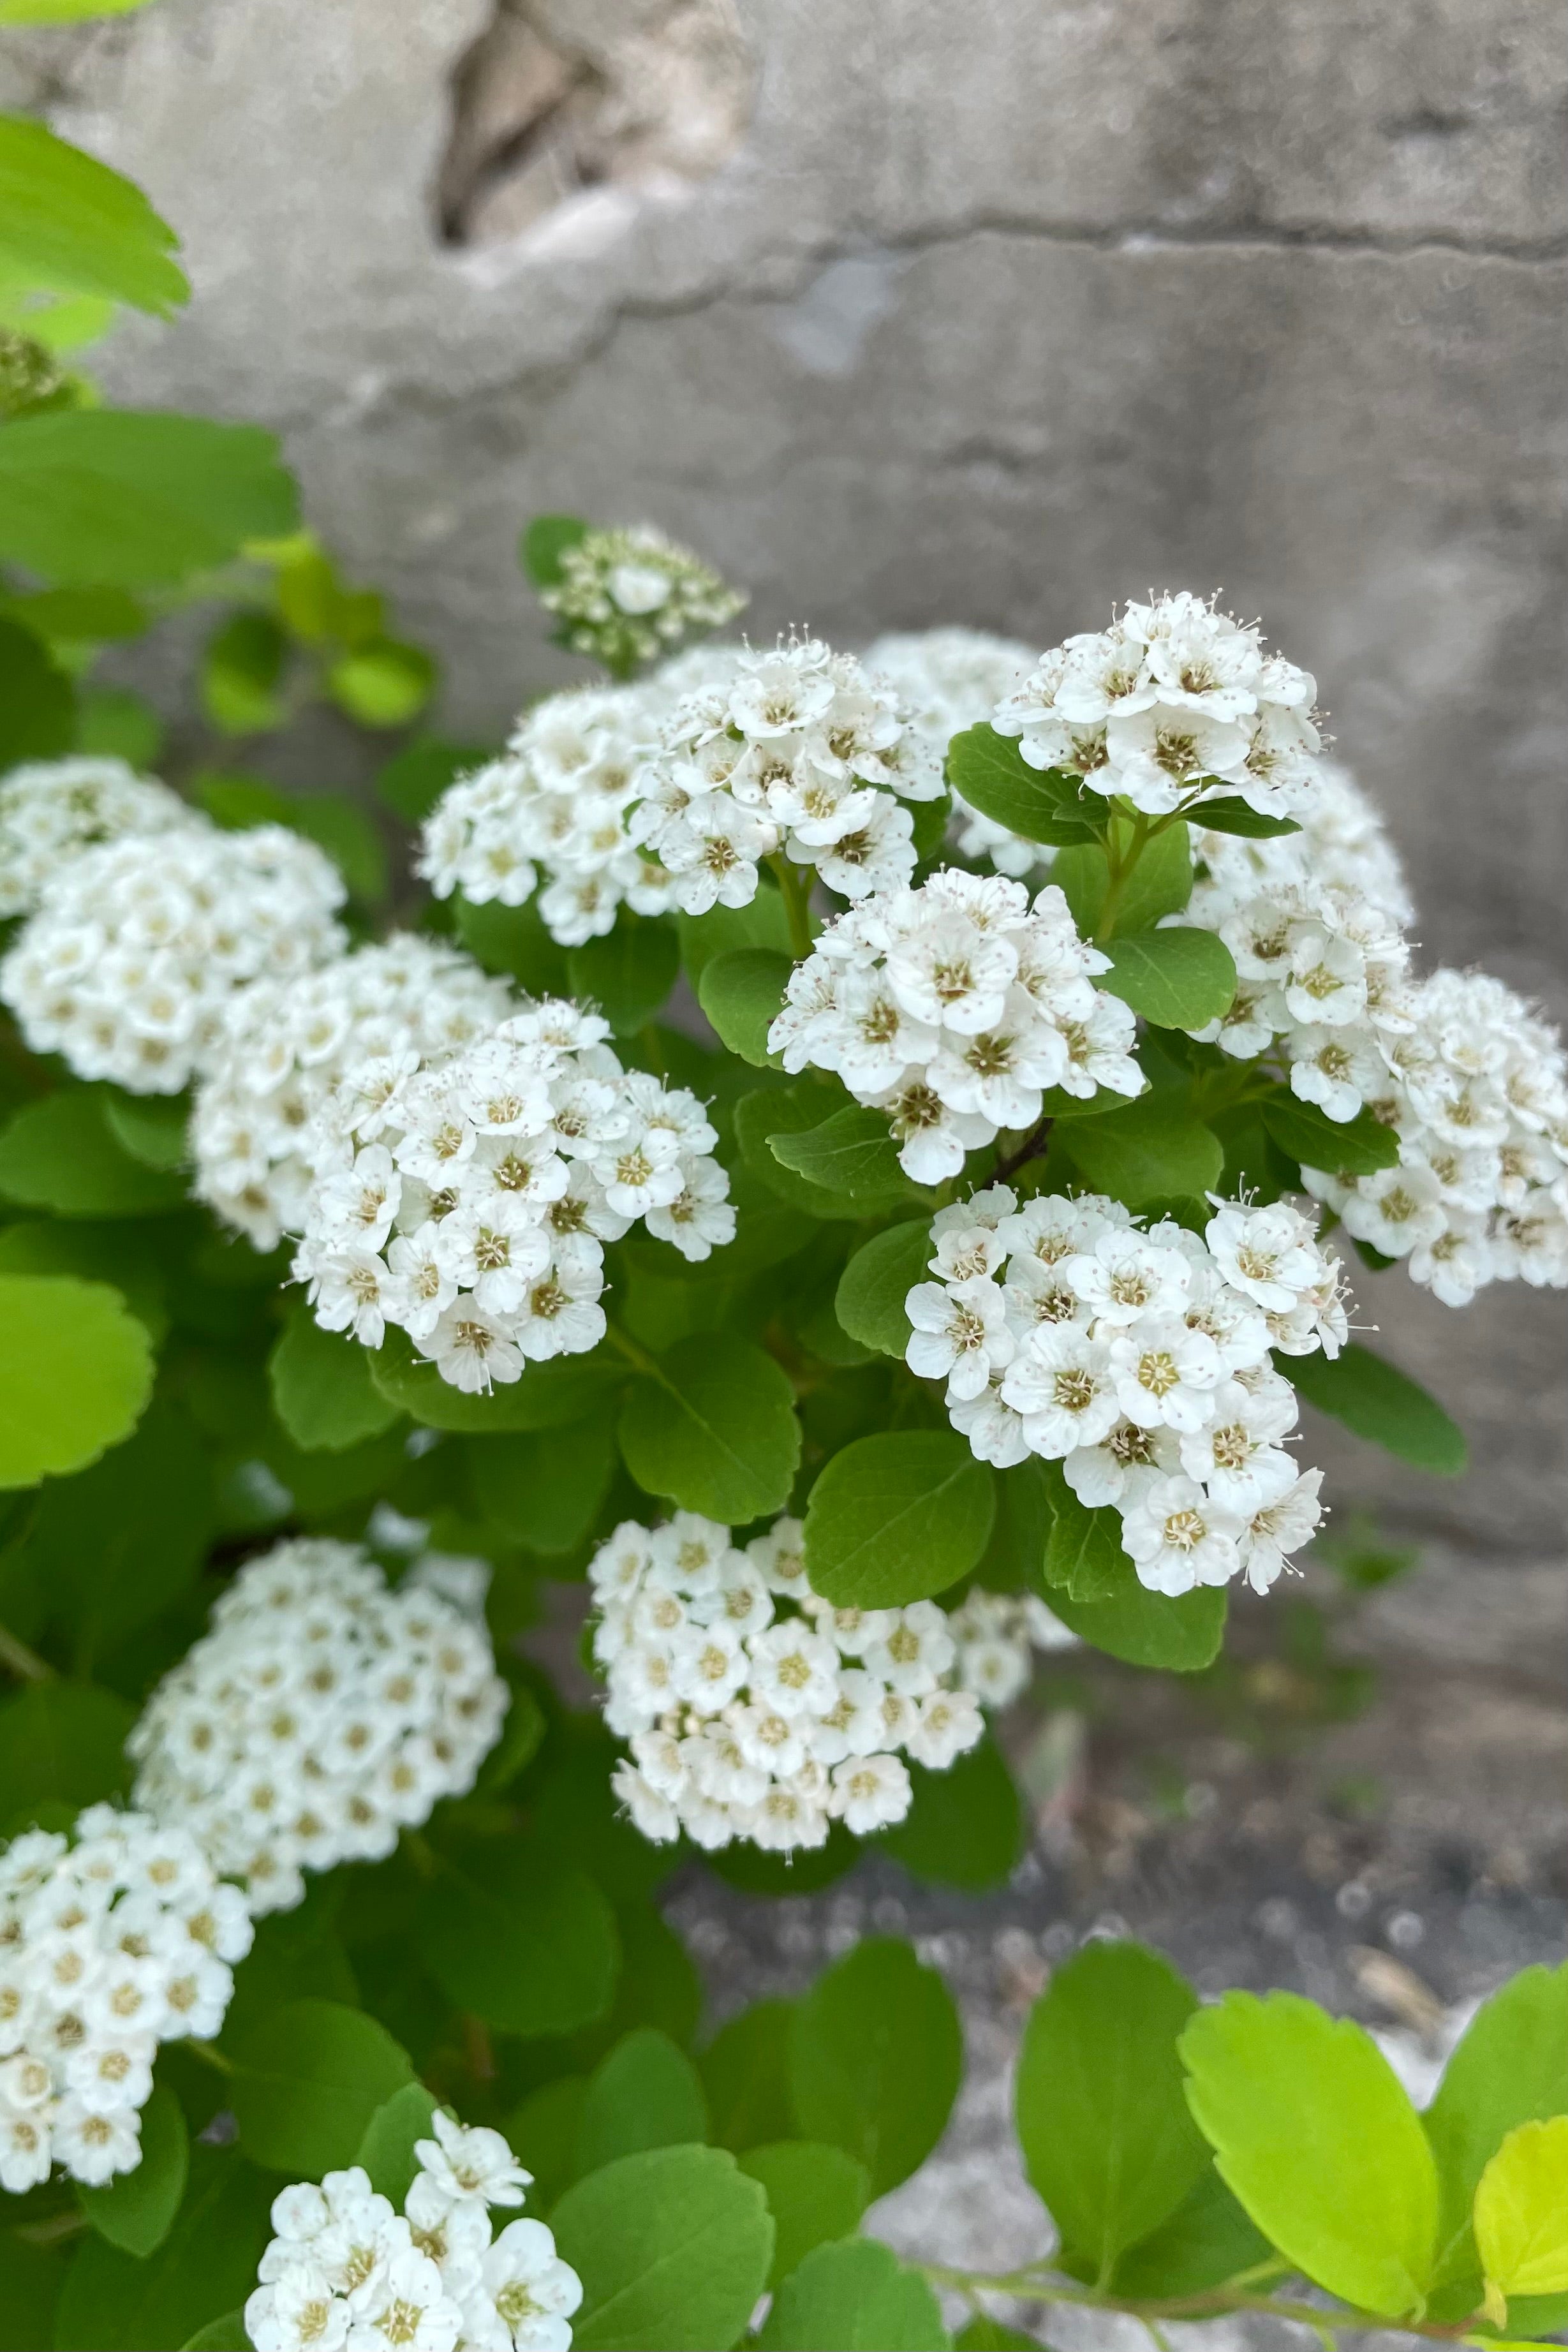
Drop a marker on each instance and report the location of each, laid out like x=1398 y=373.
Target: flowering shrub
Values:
x=839 y=1190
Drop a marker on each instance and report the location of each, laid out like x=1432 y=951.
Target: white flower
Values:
x=1279 y=1527
x=946 y=1725
x=465 y=2160
x=1165 y=1374
x=1063 y=1384
x=950 y=679
x=51 y=810
x=629 y=594
x=1269 y=1253
x=1238 y=1457
x=869 y=1792
x=1177 y=1539
x=529 y=2289
x=960 y=1333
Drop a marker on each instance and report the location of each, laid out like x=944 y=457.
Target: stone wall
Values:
x=909 y=312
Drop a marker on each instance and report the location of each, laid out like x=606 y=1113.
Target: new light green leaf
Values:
x=136 y=2209
x=1383 y=1404
x=645 y=2092
x=63 y=12
x=1313 y=2133
x=1177 y=979
x=307 y=2082
x=853 y=2296
x=672 y=2247
x=740 y=990
x=870 y=1300
x=1522 y=2216
x=815 y=2193
x=712 y=1426
x=321 y=1389
x=385 y=684
x=897 y=1517
x=76 y=1374
x=68 y=222
x=875 y=2057
x=1511 y=2067
x=1103 y=2122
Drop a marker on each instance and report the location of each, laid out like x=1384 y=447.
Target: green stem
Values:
x=210 y=2055
x=1038 y=2283
x=795 y=888
x=632 y=1353
x=1121 y=864
x=23 y=1663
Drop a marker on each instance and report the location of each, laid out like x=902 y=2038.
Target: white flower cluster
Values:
x=996 y=1633
x=469 y=1201
x=952 y=1008
x=285 y=1044
x=1140 y=1360
x=345 y=2273
x=320 y=1715
x=1475 y=1085
x=1173 y=696
x=112 y=1940
x=137 y=946
x=628 y=595
x=754 y=1709
x=51 y=809
x=1342 y=846
x=949 y=679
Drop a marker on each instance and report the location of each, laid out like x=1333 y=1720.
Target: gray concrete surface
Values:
x=990 y=313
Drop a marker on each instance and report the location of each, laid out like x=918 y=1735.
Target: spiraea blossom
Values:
x=952 y=1008
x=626 y=596
x=1342 y=846
x=286 y=1044
x=113 y=1939
x=344 y=2272
x=1140 y=1359
x=320 y=1715
x=997 y=1634
x=50 y=809
x=468 y=1200
x=949 y=679
x=1475 y=1086
x=137 y=946
x=1174 y=699
x=754 y=1709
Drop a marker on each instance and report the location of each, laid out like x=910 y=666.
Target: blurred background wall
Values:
x=905 y=313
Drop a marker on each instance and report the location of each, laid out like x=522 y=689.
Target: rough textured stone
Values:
x=995 y=313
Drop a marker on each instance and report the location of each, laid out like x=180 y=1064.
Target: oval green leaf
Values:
x=307 y=2082
x=1354 y=1146
x=672 y=2247
x=645 y=2092
x=76 y=1373
x=1177 y=979
x=875 y=2057
x=321 y=1389
x=855 y=2296
x=869 y=1301
x=1383 y=1404
x=529 y=1949
x=740 y=990
x=815 y=2193
x=713 y=1427
x=896 y=1517
x=136 y=2209
x=991 y=773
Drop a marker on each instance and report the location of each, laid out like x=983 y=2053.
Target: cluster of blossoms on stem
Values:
x=1343 y=845
x=344 y=2272
x=997 y=1634
x=1476 y=1089
x=127 y=965
x=320 y=1715
x=952 y=1008
x=1173 y=699
x=754 y=1708
x=286 y=1044
x=623 y=596
x=469 y=1201
x=52 y=809
x=112 y=1940
x=1139 y=1358
x=950 y=679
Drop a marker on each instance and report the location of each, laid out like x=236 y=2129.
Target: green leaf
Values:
x=928 y=838
x=1313 y=2133
x=1145 y=1150
x=1026 y=1513
x=1207 y=2240
x=30 y=2280
x=815 y=2193
x=76 y=1373
x=548 y=1396
x=1521 y=2214
x=1083 y=1555
x=965 y=1826
x=763 y=923
x=118 y=724
x=58 y=1153
x=241 y=670
x=1355 y=1147
x=1177 y=979
x=116 y=2301
x=855 y=2296
x=227 y=2333
x=330 y=820
x=544 y=542
x=306 y=2081
x=124 y=1540
x=644 y=2093
x=61 y=1744
x=528 y=1949
x=714 y=1428
x=876 y=2058
x=111 y=497
x=870 y=1300
x=544 y=1490
x=513 y=939
x=1160 y=883
x=543 y=2129
x=672 y=2247
x=780 y=1111
x=151 y=1128
x=1228 y=813
x=136 y=2209
x=1102 y=2119
x=321 y=1389
x=745 y=2072
x=851 y=1153
x=69 y=222
x=1510 y=2068
x=387 y=2151
x=984 y=2334
x=1150 y=1629
x=897 y=1517
x=386 y=684
x=37 y=706
x=78 y=616
x=414 y=779
x=991 y=773
x=63 y=12
x=1383 y=1404
x=740 y=990
x=629 y=972
x=518 y=1746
